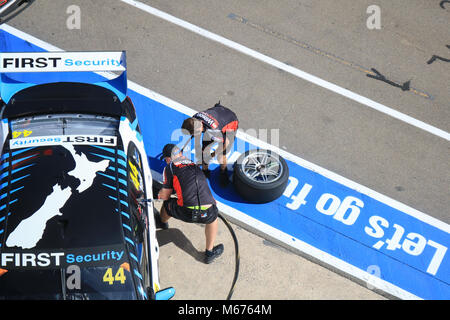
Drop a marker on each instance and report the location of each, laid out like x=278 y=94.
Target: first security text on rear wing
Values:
x=43 y=62
x=62 y=61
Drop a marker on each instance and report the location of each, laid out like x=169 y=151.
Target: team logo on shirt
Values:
x=210 y=121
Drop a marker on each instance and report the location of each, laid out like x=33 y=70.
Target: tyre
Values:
x=260 y=176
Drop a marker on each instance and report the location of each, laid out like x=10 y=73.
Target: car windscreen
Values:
x=63 y=124
x=61 y=233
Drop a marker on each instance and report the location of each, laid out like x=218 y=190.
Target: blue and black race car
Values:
x=75 y=219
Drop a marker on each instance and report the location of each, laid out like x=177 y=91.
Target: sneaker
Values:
x=214 y=253
x=159 y=224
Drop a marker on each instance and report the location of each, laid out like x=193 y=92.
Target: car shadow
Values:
x=177 y=237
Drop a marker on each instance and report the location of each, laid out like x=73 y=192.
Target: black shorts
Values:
x=188 y=215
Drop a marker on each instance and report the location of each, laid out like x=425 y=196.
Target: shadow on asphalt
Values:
x=177 y=237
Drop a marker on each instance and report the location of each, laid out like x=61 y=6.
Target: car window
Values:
x=66 y=124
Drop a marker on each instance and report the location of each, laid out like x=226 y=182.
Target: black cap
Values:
x=169 y=150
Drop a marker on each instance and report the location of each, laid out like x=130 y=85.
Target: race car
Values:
x=76 y=221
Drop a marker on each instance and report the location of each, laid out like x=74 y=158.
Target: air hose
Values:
x=237 y=259
x=236 y=248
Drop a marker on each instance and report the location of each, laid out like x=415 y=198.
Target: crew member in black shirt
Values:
x=194 y=202
x=218 y=124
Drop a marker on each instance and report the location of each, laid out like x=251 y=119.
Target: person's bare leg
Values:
x=164 y=216
x=207 y=156
x=210 y=234
x=221 y=155
x=223 y=162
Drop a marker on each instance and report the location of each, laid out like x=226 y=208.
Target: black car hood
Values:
x=59 y=207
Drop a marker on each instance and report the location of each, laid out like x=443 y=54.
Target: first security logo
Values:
x=32 y=259
x=62 y=61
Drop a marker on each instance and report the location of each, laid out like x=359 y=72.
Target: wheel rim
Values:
x=262 y=167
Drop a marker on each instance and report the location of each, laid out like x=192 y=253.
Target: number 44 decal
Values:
x=119 y=276
x=25 y=133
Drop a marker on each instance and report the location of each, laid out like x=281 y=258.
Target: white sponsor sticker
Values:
x=57 y=140
x=62 y=61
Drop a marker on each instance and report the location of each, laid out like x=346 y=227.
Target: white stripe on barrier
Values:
x=301 y=162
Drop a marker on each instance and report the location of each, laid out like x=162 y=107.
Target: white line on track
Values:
x=272 y=232
x=294 y=71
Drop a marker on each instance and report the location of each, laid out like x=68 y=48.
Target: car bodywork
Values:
x=10 y=8
x=75 y=222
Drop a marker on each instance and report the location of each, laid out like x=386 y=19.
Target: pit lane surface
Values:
x=374 y=149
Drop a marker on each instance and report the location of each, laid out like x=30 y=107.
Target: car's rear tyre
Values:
x=260 y=176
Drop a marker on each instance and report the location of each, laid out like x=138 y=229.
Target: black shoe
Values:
x=211 y=255
x=159 y=224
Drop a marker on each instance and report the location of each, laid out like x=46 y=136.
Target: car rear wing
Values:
x=51 y=66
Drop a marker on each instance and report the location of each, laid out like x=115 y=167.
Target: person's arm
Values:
x=167 y=187
x=165 y=193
